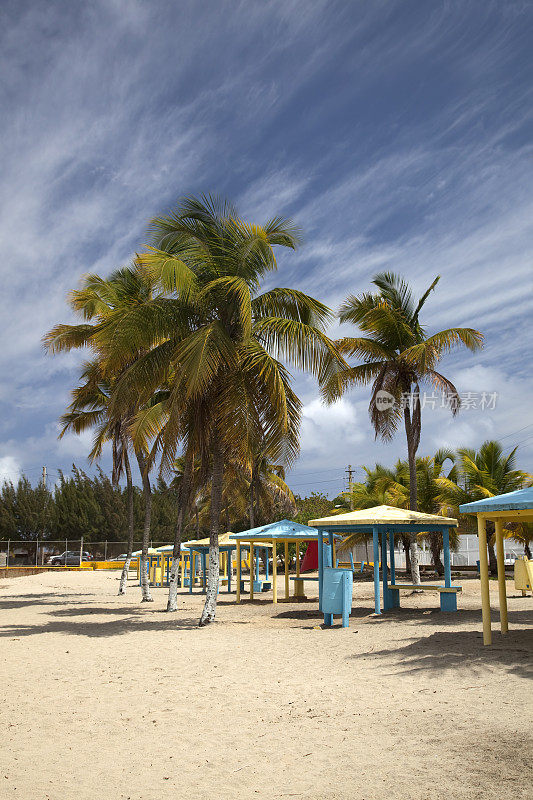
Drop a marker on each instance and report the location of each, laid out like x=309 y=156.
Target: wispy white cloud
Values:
x=394 y=133
x=9 y=470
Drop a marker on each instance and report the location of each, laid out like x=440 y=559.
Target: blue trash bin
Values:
x=337 y=594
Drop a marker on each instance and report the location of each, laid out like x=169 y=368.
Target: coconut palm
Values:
x=223 y=341
x=89 y=411
x=480 y=474
x=397 y=357
x=429 y=470
x=101 y=301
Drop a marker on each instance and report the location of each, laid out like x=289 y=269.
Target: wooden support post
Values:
x=238 y=576
x=501 y=576
x=297 y=559
x=391 y=553
x=377 y=599
x=286 y=570
x=203 y=564
x=384 y=573
x=447 y=562
x=320 y=547
x=251 y=570
x=484 y=576
x=274 y=572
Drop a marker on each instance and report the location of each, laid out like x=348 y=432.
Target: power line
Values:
x=313 y=483
x=515 y=432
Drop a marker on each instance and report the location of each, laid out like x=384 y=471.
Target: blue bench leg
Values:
x=328 y=620
x=345 y=618
x=448 y=601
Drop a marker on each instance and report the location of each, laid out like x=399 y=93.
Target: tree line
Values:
x=190 y=358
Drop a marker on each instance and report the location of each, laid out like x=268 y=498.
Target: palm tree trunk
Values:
x=147 y=494
x=129 y=496
x=435 y=547
x=252 y=515
x=208 y=613
x=184 y=498
x=527 y=550
x=406 y=542
x=493 y=563
x=412 y=444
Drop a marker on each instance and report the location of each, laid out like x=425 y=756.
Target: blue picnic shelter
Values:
x=383 y=522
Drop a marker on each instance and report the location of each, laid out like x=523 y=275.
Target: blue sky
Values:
x=397 y=134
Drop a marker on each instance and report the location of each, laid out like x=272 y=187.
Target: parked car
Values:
x=70 y=558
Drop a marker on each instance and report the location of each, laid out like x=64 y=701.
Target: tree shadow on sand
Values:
x=135 y=622
x=453 y=650
x=23 y=600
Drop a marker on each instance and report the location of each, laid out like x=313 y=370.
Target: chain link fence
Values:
x=62 y=552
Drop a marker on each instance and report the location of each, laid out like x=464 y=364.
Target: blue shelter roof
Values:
x=284 y=529
x=521 y=500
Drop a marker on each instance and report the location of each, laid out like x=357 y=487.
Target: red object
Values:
x=310 y=560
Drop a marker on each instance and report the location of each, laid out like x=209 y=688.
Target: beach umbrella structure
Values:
x=510 y=507
x=383 y=522
x=284 y=532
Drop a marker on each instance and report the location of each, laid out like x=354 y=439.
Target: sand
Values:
x=103 y=697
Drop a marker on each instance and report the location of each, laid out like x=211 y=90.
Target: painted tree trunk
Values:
x=172 y=604
x=129 y=493
x=147 y=494
x=209 y=611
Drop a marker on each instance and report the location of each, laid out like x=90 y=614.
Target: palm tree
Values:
x=223 y=341
x=102 y=302
x=429 y=470
x=397 y=357
x=89 y=410
x=483 y=473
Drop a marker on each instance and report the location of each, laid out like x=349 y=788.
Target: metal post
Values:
x=375 y=542
x=274 y=572
x=238 y=575
x=8 y=546
x=320 y=546
x=484 y=576
x=286 y=556
x=385 y=580
x=251 y=570
x=392 y=564
x=37 y=553
x=81 y=550
x=105 y=550
x=501 y=576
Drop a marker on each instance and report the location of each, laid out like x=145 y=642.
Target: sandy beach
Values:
x=106 y=698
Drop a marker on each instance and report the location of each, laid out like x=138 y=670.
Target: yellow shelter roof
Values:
x=223 y=538
x=383 y=515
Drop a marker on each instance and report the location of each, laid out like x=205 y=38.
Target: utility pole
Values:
x=350 y=471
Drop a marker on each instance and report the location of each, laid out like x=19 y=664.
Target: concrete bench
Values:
x=448 y=594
